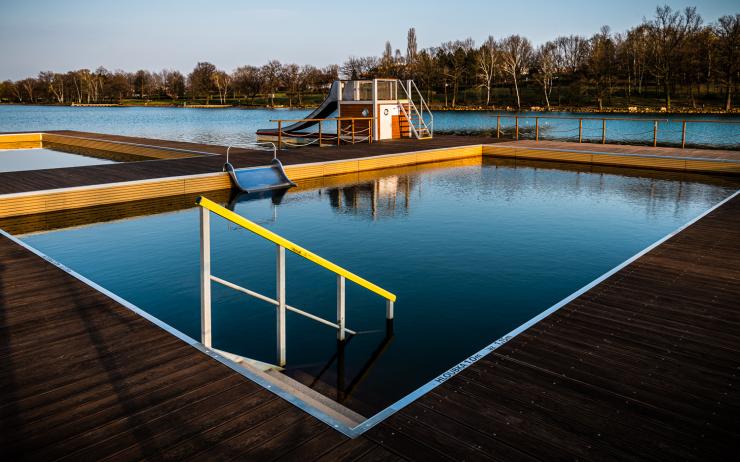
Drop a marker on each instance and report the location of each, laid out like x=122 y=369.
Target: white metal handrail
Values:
x=206 y=278
x=423 y=125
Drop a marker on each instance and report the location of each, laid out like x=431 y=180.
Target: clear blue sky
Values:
x=133 y=34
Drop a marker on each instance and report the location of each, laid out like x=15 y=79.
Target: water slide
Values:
x=252 y=180
x=327 y=108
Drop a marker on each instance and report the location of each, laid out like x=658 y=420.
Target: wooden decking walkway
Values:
x=16 y=182
x=643 y=366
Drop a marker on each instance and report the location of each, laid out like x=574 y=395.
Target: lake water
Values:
x=471 y=252
x=226 y=126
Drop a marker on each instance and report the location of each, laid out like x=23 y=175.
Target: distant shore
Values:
x=503 y=109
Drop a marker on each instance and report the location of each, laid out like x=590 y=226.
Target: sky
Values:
x=61 y=35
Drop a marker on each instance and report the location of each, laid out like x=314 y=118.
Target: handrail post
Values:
x=280 y=134
x=683 y=135
x=498 y=126
x=353 y=130
x=655 y=133
x=280 y=289
x=340 y=307
x=370 y=131
x=603 y=131
x=580 y=130
x=319 y=133
x=389 y=310
x=205 y=278
x=517 y=127
x=536 y=128
x=339 y=131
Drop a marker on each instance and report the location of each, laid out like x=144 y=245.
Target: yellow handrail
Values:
x=296 y=249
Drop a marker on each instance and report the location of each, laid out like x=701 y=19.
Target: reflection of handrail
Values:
x=207 y=206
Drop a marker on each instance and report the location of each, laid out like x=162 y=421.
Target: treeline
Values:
x=205 y=82
x=670 y=56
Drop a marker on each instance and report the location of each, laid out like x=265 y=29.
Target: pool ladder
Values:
x=206 y=278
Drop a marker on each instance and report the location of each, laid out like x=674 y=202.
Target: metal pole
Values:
x=205 y=277
x=580 y=130
x=603 y=131
x=353 y=131
x=683 y=135
x=388 y=309
x=280 y=134
x=319 y=133
x=339 y=131
x=655 y=133
x=536 y=128
x=498 y=126
x=340 y=307
x=517 y=127
x=370 y=131
x=281 y=305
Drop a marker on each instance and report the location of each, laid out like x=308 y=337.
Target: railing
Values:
x=255 y=143
x=602 y=135
x=350 y=135
x=425 y=128
x=206 y=278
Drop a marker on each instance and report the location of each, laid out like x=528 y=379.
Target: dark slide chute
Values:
x=327 y=108
x=251 y=180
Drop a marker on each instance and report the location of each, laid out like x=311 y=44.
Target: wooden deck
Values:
x=16 y=182
x=643 y=366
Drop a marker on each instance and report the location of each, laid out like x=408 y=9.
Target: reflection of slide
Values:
x=326 y=109
x=258 y=179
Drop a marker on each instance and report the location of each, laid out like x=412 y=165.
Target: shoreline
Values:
x=508 y=110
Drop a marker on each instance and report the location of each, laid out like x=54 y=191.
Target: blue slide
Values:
x=258 y=179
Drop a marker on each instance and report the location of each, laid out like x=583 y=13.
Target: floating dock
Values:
x=641 y=364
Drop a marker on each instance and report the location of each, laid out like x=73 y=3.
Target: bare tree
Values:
x=546 y=64
x=516 y=54
x=249 y=81
x=411 y=47
x=200 y=80
x=271 y=78
x=727 y=30
x=221 y=80
x=668 y=32
x=488 y=60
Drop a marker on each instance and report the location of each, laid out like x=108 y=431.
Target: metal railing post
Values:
x=603 y=131
x=683 y=135
x=340 y=307
x=536 y=128
x=388 y=309
x=498 y=126
x=655 y=133
x=580 y=130
x=517 y=127
x=205 y=278
x=339 y=131
x=280 y=134
x=280 y=296
x=353 y=131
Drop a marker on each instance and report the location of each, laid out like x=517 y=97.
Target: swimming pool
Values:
x=472 y=249
x=16 y=160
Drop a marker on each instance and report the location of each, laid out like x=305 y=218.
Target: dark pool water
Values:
x=471 y=252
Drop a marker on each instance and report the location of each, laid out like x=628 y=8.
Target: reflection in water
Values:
x=380 y=198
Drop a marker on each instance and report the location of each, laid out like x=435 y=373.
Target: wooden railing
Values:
x=604 y=121
x=348 y=131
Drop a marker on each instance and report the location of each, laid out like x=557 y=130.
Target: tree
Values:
x=411 y=47
x=516 y=54
x=290 y=76
x=668 y=32
x=454 y=57
x=546 y=64
x=173 y=83
x=488 y=60
x=248 y=80
x=727 y=30
x=201 y=80
x=600 y=65
x=271 y=73
x=221 y=81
